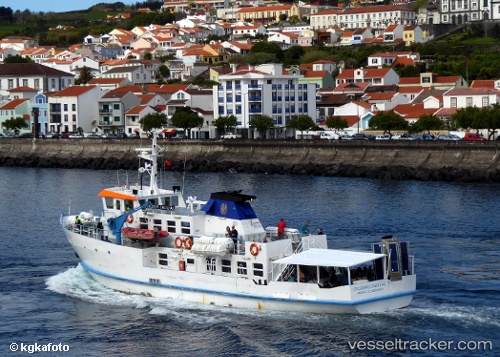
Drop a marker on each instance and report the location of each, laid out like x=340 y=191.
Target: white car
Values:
x=230 y=136
x=345 y=137
x=383 y=137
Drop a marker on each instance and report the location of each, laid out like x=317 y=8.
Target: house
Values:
x=40 y=104
x=393 y=33
x=135 y=74
x=248 y=31
x=33 y=75
x=355 y=37
x=133 y=116
x=112 y=107
x=412 y=112
x=8 y=52
x=267 y=14
x=74 y=107
x=16 y=108
x=433 y=81
x=375 y=76
x=413 y=34
x=381 y=101
x=284 y=40
x=470 y=97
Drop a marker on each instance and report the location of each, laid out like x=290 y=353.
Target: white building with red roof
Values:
x=434 y=81
x=74 y=107
x=374 y=76
x=370 y=16
x=470 y=97
x=133 y=116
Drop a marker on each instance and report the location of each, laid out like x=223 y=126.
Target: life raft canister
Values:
x=178 y=242
x=254 y=249
x=188 y=243
x=130 y=218
x=182 y=265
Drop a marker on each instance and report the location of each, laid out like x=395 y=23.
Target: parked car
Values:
x=26 y=135
x=345 y=137
x=75 y=136
x=230 y=136
x=2 y=136
x=55 y=136
x=383 y=137
x=474 y=137
x=424 y=137
x=448 y=137
x=361 y=136
x=93 y=136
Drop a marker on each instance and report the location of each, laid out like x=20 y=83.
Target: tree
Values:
x=387 y=122
x=427 y=123
x=283 y=17
x=293 y=55
x=15 y=124
x=465 y=117
x=17 y=59
x=164 y=71
x=302 y=123
x=262 y=123
x=336 y=123
x=152 y=121
x=225 y=124
x=268 y=47
x=187 y=119
x=85 y=76
x=491 y=119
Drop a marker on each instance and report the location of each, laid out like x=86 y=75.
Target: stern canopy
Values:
x=231 y=204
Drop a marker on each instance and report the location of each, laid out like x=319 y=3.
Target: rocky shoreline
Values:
x=362 y=160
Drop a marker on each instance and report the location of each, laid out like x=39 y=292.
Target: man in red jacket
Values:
x=281 y=229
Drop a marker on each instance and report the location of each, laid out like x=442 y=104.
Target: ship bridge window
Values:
x=109 y=203
x=186 y=227
x=258 y=269
x=226 y=266
x=129 y=205
x=242 y=268
x=171 y=227
x=118 y=204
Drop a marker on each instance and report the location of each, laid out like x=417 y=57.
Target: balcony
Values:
x=255 y=86
x=255 y=99
x=255 y=110
x=105 y=110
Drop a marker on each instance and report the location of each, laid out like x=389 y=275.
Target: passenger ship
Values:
x=151 y=241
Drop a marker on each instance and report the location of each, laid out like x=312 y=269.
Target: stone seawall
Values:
x=397 y=160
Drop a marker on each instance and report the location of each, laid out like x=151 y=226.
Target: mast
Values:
x=151 y=166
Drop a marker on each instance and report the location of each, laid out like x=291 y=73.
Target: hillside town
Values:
x=127 y=81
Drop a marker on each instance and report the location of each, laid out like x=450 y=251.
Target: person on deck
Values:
x=281 y=229
x=234 y=235
x=305 y=228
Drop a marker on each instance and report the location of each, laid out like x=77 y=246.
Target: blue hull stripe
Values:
x=256 y=297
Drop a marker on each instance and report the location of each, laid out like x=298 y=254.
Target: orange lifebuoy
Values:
x=178 y=242
x=254 y=249
x=188 y=243
x=130 y=218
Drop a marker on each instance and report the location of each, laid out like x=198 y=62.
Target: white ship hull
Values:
x=121 y=268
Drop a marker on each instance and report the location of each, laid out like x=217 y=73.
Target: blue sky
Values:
x=54 y=5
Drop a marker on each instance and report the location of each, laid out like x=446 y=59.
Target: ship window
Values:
x=185 y=227
x=143 y=223
x=117 y=204
x=226 y=266
x=129 y=205
x=163 y=259
x=258 y=269
x=174 y=201
x=190 y=261
x=171 y=226
x=109 y=203
x=242 y=268
x=211 y=264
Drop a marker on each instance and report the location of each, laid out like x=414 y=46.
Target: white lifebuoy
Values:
x=130 y=218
